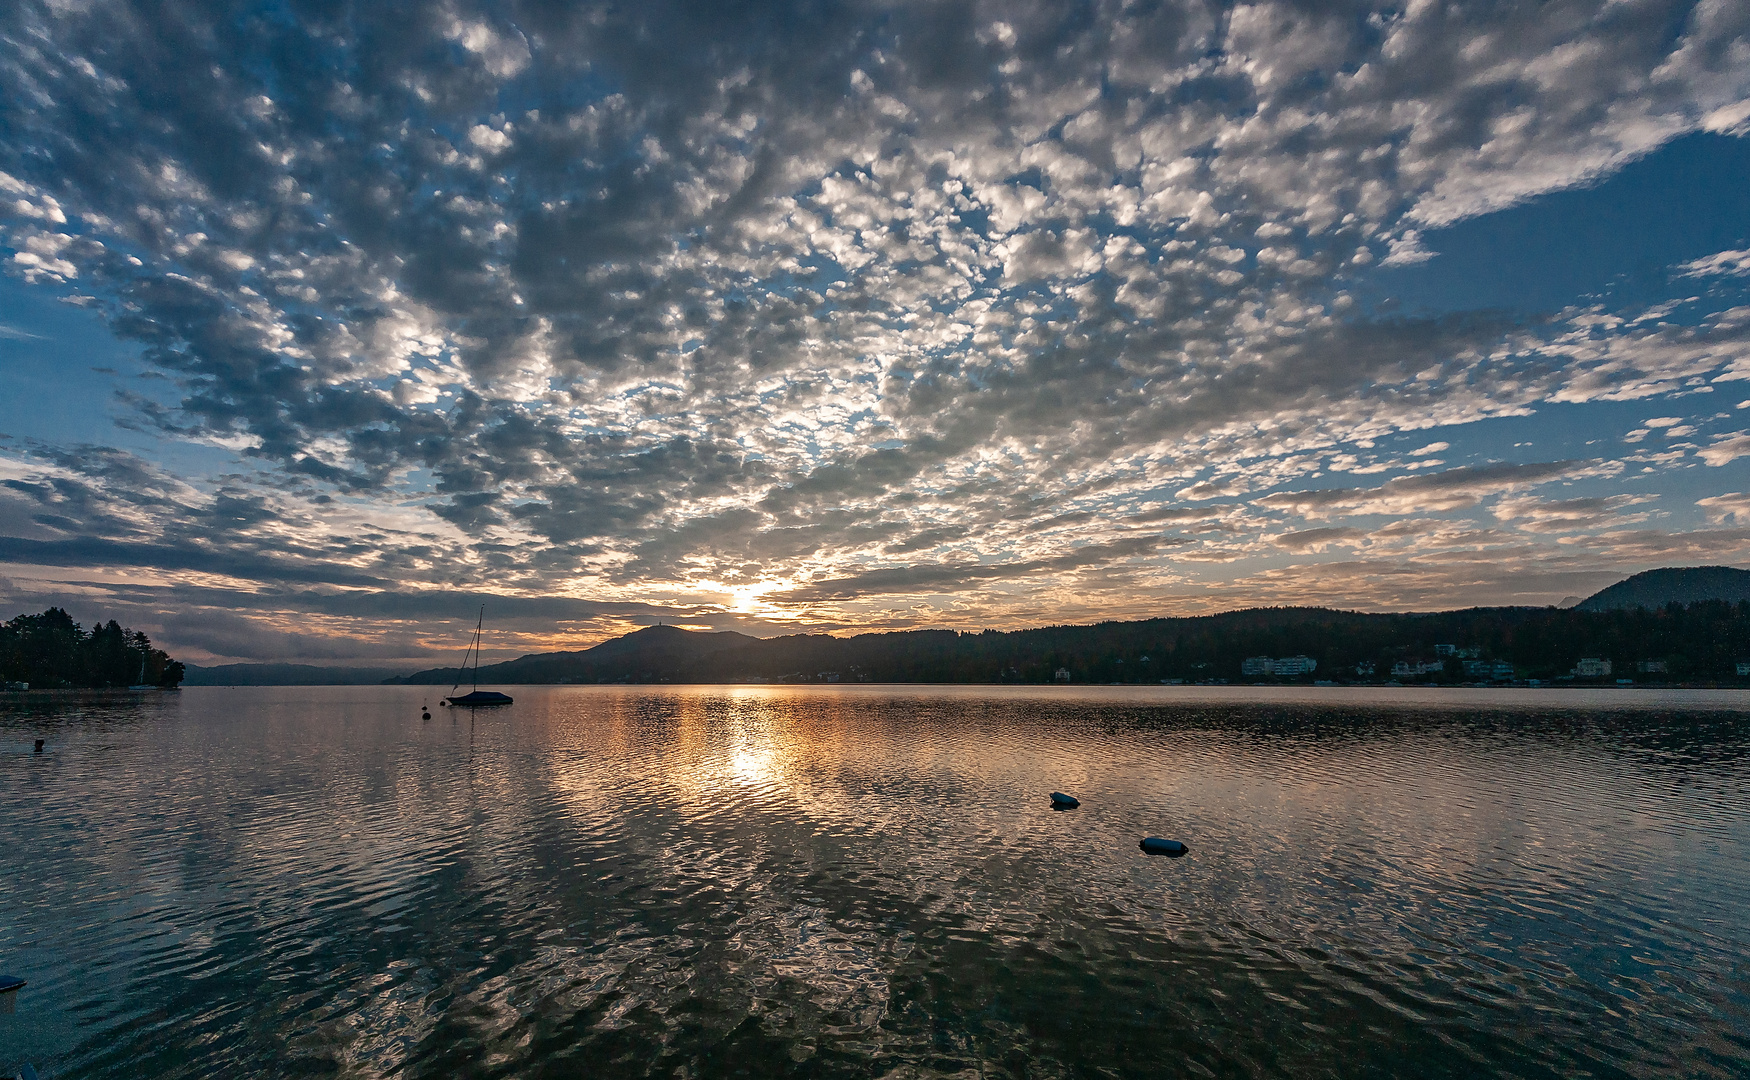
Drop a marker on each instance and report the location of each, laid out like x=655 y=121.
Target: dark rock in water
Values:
x=1060 y=801
x=1172 y=849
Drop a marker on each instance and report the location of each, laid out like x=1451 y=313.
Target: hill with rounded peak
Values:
x=653 y=651
x=1672 y=585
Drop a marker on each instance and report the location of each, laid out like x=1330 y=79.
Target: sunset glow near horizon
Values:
x=324 y=326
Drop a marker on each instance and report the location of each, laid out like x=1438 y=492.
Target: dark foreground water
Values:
x=869 y=882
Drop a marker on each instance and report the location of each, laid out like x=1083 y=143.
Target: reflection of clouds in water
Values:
x=722 y=801
x=844 y=967
x=609 y=979
x=1286 y=814
x=372 y=1027
x=735 y=766
x=860 y=874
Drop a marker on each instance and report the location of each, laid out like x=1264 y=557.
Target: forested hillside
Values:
x=1678 y=643
x=1672 y=585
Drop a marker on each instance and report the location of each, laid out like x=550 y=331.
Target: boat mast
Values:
x=473 y=646
x=477 y=626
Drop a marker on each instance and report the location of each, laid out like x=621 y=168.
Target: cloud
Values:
x=674 y=303
x=1733 y=506
x=221 y=635
x=1732 y=119
x=938 y=579
x=1540 y=515
x=1320 y=539
x=1452 y=489
x=1722 y=263
x=108 y=554
x=1725 y=450
x=1407 y=250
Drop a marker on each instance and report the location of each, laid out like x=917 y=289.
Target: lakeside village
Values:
x=1449 y=664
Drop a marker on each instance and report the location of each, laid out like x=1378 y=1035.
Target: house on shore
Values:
x=1286 y=666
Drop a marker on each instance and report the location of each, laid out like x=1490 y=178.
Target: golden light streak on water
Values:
x=867 y=881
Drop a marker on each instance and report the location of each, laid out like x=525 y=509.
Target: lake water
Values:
x=869 y=881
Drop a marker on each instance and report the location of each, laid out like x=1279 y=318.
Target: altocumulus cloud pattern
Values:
x=850 y=315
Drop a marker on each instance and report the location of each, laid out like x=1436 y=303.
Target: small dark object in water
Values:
x=39 y=749
x=425 y=714
x=1172 y=849
x=9 y=984
x=1060 y=801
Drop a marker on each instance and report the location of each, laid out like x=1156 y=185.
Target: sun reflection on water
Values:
x=872 y=876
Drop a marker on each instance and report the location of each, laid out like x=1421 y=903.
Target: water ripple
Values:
x=869 y=882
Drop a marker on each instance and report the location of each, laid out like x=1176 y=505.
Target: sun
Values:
x=747 y=599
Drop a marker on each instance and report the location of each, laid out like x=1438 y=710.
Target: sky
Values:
x=323 y=325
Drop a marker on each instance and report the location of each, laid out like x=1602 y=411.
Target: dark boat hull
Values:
x=479 y=698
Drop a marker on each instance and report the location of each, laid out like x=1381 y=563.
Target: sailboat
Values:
x=142 y=684
x=478 y=697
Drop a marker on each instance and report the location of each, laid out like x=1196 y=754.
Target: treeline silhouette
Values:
x=52 y=651
x=1699 y=642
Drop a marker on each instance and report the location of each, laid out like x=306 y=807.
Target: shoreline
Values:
x=1184 y=688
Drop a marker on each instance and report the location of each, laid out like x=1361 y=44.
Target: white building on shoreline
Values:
x=1287 y=665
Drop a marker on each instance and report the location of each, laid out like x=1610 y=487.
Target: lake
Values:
x=869 y=881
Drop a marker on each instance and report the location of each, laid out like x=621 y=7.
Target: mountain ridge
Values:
x=275 y=674
x=1672 y=585
x=1090 y=651
x=663 y=646
x=1700 y=641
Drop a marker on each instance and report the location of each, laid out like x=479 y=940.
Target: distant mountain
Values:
x=646 y=655
x=1701 y=643
x=285 y=675
x=1672 y=584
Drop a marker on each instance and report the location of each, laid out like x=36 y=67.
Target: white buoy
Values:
x=1060 y=801
x=1155 y=845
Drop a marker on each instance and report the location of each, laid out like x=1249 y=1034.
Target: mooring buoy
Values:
x=1172 y=849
